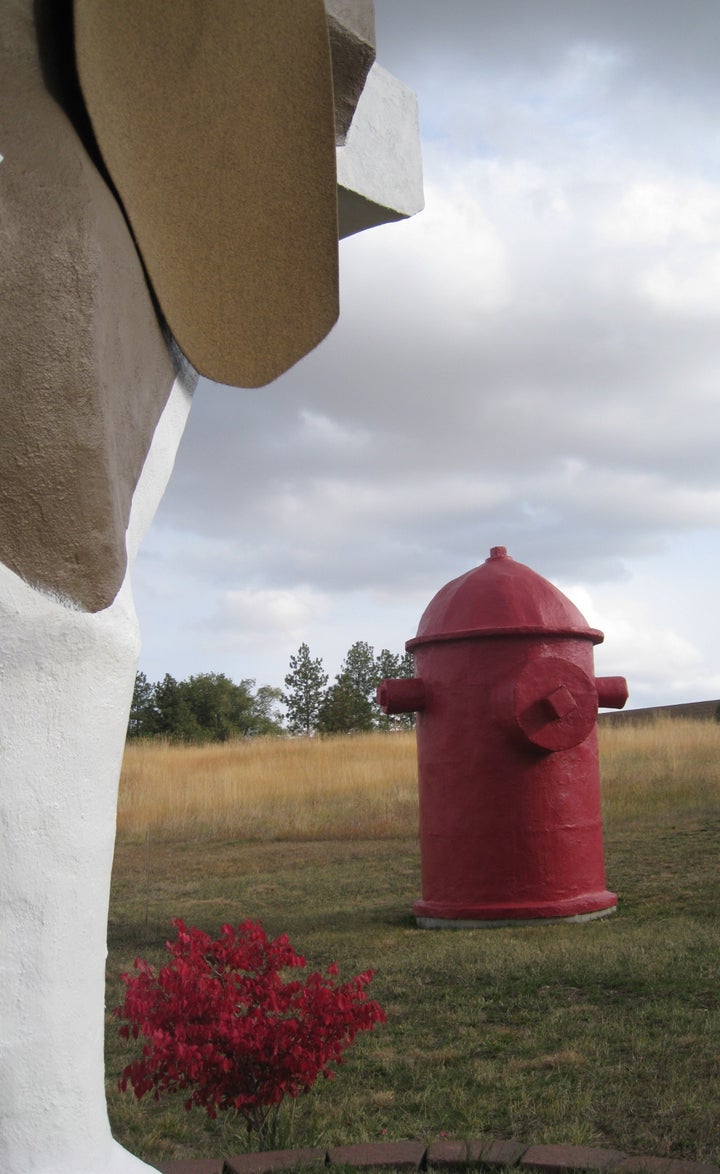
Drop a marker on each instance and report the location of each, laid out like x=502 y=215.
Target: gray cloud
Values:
x=531 y=361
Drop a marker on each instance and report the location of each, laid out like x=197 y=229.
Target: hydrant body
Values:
x=508 y=773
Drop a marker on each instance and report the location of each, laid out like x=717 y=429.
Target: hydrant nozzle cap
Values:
x=498 y=552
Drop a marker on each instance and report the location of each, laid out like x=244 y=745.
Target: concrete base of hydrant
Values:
x=435 y=915
x=447 y=923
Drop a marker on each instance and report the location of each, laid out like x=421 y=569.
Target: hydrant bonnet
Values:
x=500 y=597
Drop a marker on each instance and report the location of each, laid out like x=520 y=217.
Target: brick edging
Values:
x=444 y=1154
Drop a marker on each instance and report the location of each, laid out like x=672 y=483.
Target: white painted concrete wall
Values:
x=380 y=162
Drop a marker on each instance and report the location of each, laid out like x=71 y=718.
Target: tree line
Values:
x=210 y=707
x=348 y=705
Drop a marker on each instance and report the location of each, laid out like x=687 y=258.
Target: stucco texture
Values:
x=84 y=368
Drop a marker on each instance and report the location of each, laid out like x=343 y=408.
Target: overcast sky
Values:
x=533 y=361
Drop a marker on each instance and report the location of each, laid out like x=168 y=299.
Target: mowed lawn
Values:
x=605 y=1033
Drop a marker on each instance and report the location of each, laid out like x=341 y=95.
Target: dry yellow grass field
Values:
x=271 y=789
x=659 y=768
x=365 y=786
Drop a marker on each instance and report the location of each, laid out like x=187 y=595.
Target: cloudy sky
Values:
x=533 y=361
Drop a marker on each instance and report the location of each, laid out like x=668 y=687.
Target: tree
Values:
x=392 y=666
x=266 y=719
x=208 y=707
x=174 y=718
x=360 y=669
x=142 y=709
x=348 y=706
x=407 y=665
x=388 y=664
x=345 y=710
x=306 y=683
x=219 y=707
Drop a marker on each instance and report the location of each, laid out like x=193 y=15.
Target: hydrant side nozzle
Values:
x=550 y=704
x=612 y=692
x=401 y=695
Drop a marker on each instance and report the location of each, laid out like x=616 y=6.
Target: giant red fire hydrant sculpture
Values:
x=507 y=700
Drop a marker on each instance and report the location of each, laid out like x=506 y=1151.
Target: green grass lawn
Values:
x=605 y=1033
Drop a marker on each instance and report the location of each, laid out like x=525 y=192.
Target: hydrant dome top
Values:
x=501 y=597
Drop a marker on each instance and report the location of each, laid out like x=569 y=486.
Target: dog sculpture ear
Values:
x=216 y=124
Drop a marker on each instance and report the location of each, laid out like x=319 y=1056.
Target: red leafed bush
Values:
x=222 y=1022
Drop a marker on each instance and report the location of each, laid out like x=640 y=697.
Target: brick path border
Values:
x=444 y=1155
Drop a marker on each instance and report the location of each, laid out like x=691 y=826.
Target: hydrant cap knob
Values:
x=500 y=597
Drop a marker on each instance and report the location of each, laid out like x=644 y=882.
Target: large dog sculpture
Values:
x=168 y=205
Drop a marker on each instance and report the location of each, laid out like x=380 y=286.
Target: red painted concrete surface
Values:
x=507 y=700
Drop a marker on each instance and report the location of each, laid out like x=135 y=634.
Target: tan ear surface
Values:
x=216 y=123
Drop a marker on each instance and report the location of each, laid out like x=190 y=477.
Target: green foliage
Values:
x=345 y=709
x=390 y=666
x=266 y=719
x=208 y=707
x=306 y=683
x=173 y=717
x=348 y=706
x=141 y=708
x=359 y=669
